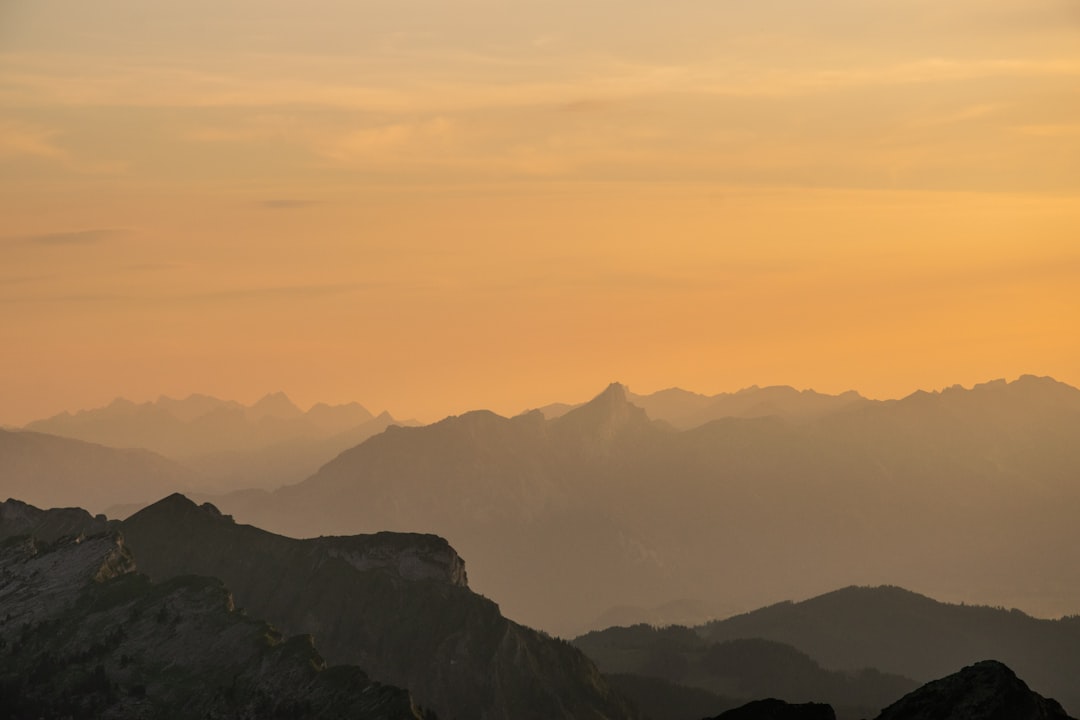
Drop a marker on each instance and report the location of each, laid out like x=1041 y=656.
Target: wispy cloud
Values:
x=287 y=203
x=75 y=237
x=17 y=139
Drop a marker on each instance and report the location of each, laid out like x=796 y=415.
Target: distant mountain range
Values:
x=52 y=471
x=964 y=494
x=684 y=410
x=226 y=444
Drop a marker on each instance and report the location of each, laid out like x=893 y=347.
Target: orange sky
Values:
x=430 y=207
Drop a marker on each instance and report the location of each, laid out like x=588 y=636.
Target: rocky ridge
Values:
x=83 y=635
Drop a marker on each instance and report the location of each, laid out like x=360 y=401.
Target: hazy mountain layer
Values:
x=229 y=445
x=83 y=636
x=683 y=409
x=744 y=668
x=51 y=471
x=397 y=605
x=967 y=494
x=901 y=632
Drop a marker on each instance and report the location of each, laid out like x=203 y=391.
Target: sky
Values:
x=430 y=207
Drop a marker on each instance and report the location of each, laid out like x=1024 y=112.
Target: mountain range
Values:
x=225 y=444
x=574 y=520
x=964 y=494
x=855 y=648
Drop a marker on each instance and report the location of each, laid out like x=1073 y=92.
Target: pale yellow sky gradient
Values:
x=431 y=207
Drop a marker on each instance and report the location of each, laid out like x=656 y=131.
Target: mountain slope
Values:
x=84 y=636
x=50 y=471
x=987 y=690
x=746 y=668
x=396 y=604
x=968 y=494
x=902 y=632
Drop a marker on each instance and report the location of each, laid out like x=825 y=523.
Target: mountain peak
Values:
x=276 y=405
x=605 y=416
x=986 y=690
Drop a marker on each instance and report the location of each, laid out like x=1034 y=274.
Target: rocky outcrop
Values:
x=772 y=709
x=19 y=518
x=82 y=635
x=394 y=604
x=987 y=690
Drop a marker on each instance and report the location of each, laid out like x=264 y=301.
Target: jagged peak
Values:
x=274 y=405
x=984 y=691
x=179 y=504
x=603 y=417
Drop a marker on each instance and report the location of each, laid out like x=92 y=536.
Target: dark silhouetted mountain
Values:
x=674 y=612
x=745 y=668
x=84 y=636
x=50 y=471
x=230 y=446
x=662 y=700
x=772 y=709
x=901 y=632
x=395 y=604
x=987 y=690
x=19 y=518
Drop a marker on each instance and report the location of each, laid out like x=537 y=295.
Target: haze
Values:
x=432 y=207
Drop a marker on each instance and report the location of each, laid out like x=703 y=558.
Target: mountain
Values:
x=987 y=690
x=19 y=518
x=685 y=410
x=85 y=636
x=968 y=494
x=772 y=709
x=901 y=632
x=53 y=471
x=529 y=497
x=229 y=446
x=745 y=669
x=396 y=604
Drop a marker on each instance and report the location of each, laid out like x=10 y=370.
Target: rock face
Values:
x=984 y=691
x=19 y=518
x=772 y=709
x=82 y=635
x=395 y=604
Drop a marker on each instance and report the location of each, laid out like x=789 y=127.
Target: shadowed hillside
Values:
x=902 y=632
x=84 y=636
x=396 y=604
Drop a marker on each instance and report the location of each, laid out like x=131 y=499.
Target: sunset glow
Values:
x=429 y=207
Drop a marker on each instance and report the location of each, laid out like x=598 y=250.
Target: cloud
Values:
x=287 y=203
x=76 y=237
x=17 y=139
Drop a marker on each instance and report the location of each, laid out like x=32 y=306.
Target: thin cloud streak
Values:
x=74 y=238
